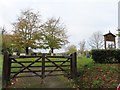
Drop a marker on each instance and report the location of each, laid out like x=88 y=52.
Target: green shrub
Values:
x=106 y=56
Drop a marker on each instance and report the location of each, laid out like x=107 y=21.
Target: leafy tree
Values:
x=5 y=41
x=71 y=49
x=96 y=40
x=26 y=30
x=54 y=35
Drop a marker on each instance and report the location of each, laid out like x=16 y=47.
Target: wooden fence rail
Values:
x=8 y=60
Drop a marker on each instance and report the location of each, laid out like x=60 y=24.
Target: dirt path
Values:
x=36 y=82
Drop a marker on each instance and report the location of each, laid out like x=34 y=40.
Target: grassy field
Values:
x=93 y=75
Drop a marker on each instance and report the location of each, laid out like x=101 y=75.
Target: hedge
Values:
x=106 y=56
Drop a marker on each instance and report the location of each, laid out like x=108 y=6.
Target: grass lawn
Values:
x=93 y=75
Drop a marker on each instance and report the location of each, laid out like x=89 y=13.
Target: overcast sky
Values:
x=81 y=17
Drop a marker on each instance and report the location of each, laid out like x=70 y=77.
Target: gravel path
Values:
x=36 y=82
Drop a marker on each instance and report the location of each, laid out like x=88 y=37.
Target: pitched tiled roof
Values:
x=109 y=34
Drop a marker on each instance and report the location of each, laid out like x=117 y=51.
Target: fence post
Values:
x=43 y=66
x=73 y=65
x=6 y=70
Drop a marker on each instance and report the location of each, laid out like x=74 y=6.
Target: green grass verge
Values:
x=1 y=64
x=83 y=61
x=93 y=75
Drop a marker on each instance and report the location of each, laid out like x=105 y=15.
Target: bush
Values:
x=106 y=56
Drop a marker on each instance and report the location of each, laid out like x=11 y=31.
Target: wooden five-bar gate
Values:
x=42 y=66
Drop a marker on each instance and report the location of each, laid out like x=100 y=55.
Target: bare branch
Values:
x=96 y=40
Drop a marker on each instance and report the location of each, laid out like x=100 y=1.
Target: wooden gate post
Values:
x=73 y=65
x=6 y=70
x=43 y=66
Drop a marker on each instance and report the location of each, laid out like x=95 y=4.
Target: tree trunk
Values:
x=27 y=51
x=52 y=50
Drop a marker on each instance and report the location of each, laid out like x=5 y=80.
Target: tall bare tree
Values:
x=96 y=40
x=82 y=46
x=54 y=34
x=26 y=30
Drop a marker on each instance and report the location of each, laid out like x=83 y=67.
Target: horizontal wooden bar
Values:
x=30 y=56
x=37 y=61
x=56 y=66
x=54 y=75
x=52 y=70
x=23 y=67
x=25 y=61
x=39 y=66
x=27 y=76
x=29 y=71
x=58 y=56
x=39 y=56
x=57 y=61
x=36 y=71
x=25 y=57
x=11 y=57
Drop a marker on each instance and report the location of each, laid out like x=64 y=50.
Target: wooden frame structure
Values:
x=109 y=37
x=42 y=69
